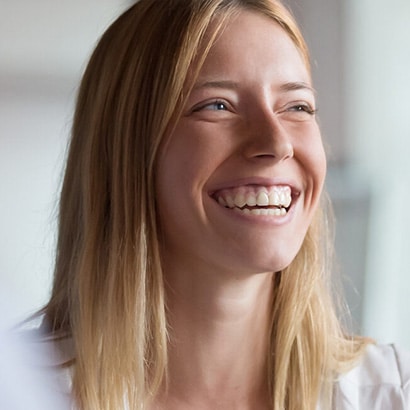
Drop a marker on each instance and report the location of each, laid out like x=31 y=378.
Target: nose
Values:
x=268 y=138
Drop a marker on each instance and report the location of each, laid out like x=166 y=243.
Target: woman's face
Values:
x=241 y=175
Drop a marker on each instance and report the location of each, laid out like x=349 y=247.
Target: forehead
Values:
x=249 y=40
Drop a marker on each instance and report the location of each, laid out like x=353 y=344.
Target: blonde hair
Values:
x=108 y=292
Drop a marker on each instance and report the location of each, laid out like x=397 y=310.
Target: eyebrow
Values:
x=227 y=84
x=217 y=84
x=295 y=86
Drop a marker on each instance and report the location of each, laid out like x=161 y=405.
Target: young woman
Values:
x=192 y=267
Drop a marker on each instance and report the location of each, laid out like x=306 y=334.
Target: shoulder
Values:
x=379 y=381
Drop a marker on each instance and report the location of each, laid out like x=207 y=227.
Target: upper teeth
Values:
x=279 y=196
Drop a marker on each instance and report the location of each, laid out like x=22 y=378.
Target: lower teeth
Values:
x=262 y=211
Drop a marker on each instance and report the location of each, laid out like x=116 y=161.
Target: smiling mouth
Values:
x=257 y=200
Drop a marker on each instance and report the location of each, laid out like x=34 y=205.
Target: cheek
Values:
x=319 y=159
x=184 y=166
x=311 y=155
x=316 y=160
x=175 y=164
x=193 y=154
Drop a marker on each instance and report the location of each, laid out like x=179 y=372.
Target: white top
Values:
x=380 y=381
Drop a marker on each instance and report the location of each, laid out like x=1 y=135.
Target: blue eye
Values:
x=216 y=105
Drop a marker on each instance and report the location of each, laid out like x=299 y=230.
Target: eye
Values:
x=302 y=108
x=216 y=105
x=297 y=111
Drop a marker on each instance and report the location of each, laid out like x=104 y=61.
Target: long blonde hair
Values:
x=108 y=292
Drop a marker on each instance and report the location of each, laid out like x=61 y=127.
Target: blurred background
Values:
x=361 y=66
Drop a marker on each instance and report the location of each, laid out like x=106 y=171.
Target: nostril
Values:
x=265 y=156
x=278 y=148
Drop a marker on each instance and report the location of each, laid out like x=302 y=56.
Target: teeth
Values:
x=240 y=200
x=262 y=211
x=263 y=197
x=284 y=199
x=221 y=201
x=251 y=199
x=229 y=201
x=274 y=198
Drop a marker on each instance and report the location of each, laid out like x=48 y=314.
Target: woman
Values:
x=192 y=266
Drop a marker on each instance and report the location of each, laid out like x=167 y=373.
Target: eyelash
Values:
x=214 y=103
x=302 y=108
x=297 y=108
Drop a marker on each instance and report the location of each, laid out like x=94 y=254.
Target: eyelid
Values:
x=310 y=108
x=213 y=101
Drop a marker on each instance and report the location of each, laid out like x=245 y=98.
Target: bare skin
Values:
x=218 y=353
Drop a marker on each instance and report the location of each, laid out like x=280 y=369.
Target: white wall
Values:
x=378 y=123
x=33 y=133
x=43 y=47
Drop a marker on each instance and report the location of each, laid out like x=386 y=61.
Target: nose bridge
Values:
x=267 y=137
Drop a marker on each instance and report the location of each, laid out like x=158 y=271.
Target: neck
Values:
x=219 y=336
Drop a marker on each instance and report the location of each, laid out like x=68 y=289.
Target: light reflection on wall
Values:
x=378 y=126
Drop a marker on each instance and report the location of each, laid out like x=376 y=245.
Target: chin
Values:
x=278 y=257
x=272 y=262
